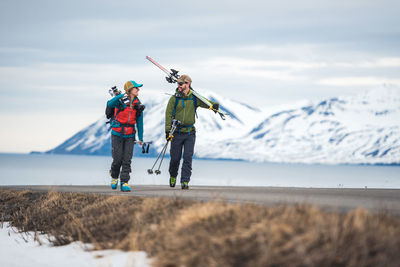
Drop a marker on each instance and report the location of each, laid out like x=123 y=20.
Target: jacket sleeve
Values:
x=139 y=126
x=204 y=105
x=168 y=113
x=114 y=102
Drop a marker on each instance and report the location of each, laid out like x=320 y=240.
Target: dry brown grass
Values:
x=188 y=233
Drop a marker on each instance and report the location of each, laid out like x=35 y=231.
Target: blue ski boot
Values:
x=114 y=183
x=125 y=187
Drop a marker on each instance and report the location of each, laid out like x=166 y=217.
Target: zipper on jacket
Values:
x=129 y=117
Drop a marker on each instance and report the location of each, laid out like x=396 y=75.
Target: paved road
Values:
x=375 y=200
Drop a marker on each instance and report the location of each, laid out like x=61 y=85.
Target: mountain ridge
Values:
x=360 y=129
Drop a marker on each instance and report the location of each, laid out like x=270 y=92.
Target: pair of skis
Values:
x=173 y=77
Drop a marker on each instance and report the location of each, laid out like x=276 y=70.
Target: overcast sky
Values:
x=58 y=58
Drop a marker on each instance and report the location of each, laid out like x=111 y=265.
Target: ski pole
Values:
x=163 y=154
x=175 y=124
x=150 y=171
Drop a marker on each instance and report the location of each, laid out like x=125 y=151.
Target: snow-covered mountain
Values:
x=359 y=129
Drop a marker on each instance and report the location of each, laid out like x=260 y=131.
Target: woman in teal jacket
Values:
x=127 y=119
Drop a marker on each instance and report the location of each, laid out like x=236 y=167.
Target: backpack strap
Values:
x=188 y=127
x=126 y=125
x=112 y=119
x=114 y=116
x=123 y=126
x=193 y=98
x=176 y=104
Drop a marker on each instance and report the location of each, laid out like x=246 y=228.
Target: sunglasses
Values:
x=183 y=83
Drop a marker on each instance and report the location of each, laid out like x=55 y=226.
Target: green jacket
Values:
x=185 y=113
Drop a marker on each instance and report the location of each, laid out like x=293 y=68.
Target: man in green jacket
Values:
x=182 y=107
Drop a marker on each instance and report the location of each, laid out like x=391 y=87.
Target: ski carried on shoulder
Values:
x=173 y=77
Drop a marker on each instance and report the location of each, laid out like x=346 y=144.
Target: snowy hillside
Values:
x=95 y=139
x=359 y=129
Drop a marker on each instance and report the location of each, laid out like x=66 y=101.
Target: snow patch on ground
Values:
x=21 y=249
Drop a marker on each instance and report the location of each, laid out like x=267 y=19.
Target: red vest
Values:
x=126 y=118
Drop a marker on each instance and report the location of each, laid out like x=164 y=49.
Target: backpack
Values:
x=109 y=112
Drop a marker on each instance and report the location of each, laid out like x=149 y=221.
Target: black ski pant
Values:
x=185 y=142
x=122 y=152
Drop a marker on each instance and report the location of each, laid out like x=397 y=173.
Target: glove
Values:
x=215 y=107
x=168 y=137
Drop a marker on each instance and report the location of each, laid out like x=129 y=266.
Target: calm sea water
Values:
x=19 y=169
